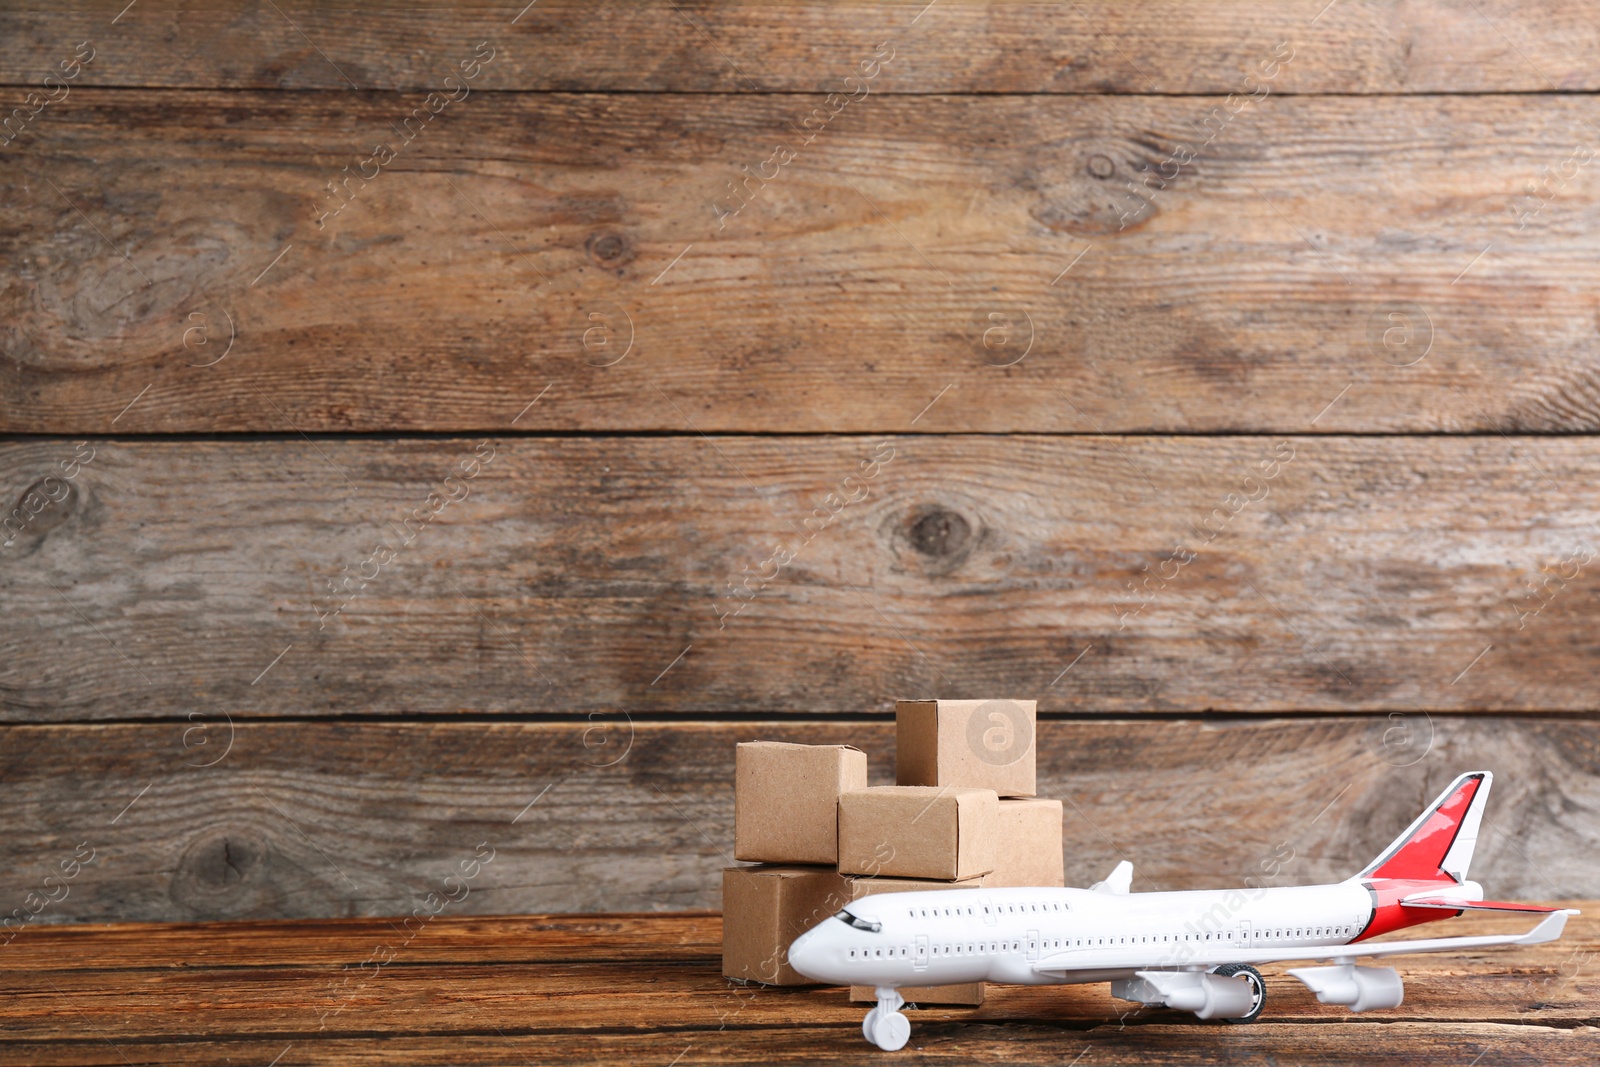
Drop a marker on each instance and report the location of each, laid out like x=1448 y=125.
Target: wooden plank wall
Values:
x=392 y=465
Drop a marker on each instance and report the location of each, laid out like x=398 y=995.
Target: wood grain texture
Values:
x=484 y=940
x=568 y=249
x=317 y=820
x=595 y=574
x=1535 y=1002
x=673 y=997
x=1357 y=1041
x=1098 y=46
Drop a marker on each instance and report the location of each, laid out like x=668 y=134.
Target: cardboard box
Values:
x=918 y=832
x=969 y=993
x=765 y=908
x=786 y=800
x=1028 y=849
x=977 y=744
x=866 y=886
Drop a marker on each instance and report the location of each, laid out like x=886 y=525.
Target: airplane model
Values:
x=1190 y=950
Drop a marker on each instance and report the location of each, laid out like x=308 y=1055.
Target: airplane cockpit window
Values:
x=857 y=922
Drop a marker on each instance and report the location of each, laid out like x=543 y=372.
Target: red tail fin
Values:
x=1439 y=843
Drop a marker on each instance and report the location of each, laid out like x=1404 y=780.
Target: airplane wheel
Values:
x=868 y=1023
x=1258 y=988
x=890 y=1032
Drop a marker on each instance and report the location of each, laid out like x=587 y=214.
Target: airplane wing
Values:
x=1153 y=957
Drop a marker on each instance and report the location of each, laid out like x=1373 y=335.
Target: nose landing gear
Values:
x=886 y=1025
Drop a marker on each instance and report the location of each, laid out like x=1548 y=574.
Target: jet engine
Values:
x=1210 y=996
x=1361 y=988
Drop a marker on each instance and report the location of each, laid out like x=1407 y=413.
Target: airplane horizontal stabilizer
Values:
x=1447 y=904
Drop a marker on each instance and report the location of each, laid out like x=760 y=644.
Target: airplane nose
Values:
x=806 y=956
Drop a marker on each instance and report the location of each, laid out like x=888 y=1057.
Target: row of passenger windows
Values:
x=1000 y=909
x=1093 y=942
x=1258 y=935
x=970 y=949
x=1309 y=931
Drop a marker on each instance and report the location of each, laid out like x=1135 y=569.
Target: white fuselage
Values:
x=998 y=935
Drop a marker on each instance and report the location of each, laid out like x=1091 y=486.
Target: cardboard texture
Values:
x=977 y=744
x=765 y=908
x=865 y=887
x=786 y=800
x=918 y=832
x=970 y=993
x=1028 y=849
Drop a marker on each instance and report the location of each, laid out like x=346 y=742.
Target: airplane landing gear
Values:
x=1258 y=988
x=885 y=1025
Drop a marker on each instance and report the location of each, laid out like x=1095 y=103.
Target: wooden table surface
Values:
x=647 y=989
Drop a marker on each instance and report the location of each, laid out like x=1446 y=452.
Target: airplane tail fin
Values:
x=1439 y=843
x=1119 y=881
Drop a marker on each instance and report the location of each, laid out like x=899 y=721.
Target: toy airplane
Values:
x=1187 y=950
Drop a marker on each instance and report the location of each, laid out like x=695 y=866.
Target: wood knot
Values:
x=940 y=534
x=40 y=508
x=610 y=250
x=1091 y=186
x=225 y=874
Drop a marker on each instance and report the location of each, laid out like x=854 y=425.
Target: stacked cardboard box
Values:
x=785 y=814
x=962 y=815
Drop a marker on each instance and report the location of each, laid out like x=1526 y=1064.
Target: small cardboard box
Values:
x=1028 y=849
x=786 y=800
x=865 y=886
x=968 y=993
x=902 y=831
x=978 y=744
x=765 y=908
